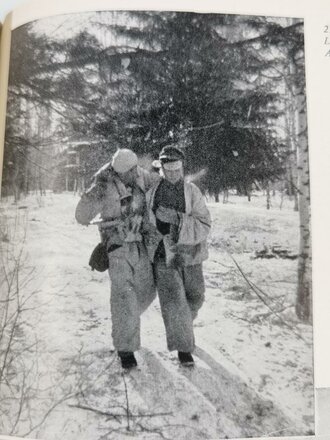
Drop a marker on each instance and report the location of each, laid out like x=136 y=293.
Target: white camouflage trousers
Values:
x=132 y=291
x=181 y=295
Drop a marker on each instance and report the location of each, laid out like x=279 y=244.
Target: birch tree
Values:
x=297 y=136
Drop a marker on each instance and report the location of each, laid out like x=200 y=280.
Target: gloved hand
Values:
x=167 y=215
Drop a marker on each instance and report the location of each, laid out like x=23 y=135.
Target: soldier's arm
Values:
x=92 y=200
x=195 y=227
x=89 y=205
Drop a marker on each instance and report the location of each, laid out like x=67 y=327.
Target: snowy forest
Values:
x=230 y=90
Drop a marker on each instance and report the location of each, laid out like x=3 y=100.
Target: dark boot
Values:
x=186 y=359
x=127 y=359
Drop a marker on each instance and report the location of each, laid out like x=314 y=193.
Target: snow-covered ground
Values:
x=253 y=374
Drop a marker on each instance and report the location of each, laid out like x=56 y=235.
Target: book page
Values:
x=4 y=71
x=7 y=6
x=97 y=86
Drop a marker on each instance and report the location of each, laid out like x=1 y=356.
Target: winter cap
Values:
x=170 y=153
x=124 y=160
x=173 y=165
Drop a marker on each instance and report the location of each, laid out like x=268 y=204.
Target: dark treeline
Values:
x=217 y=84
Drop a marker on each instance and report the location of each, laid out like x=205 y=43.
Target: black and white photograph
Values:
x=155 y=240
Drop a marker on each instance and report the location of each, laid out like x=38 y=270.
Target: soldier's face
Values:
x=129 y=178
x=173 y=176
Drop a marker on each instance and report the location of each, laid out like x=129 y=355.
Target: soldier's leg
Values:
x=143 y=276
x=174 y=306
x=125 y=313
x=193 y=281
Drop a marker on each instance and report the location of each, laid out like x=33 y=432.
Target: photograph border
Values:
x=316 y=15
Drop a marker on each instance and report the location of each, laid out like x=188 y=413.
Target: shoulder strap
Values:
x=121 y=188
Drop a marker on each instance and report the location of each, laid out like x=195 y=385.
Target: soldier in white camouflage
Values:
x=117 y=199
x=180 y=223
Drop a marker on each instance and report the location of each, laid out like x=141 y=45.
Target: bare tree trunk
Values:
x=291 y=127
x=268 y=198
x=66 y=181
x=26 y=178
x=225 y=196
x=293 y=178
x=304 y=290
x=27 y=163
x=282 y=197
x=15 y=184
x=29 y=174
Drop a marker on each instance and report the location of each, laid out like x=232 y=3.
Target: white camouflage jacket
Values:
x=194 y=227
x=103 y=201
